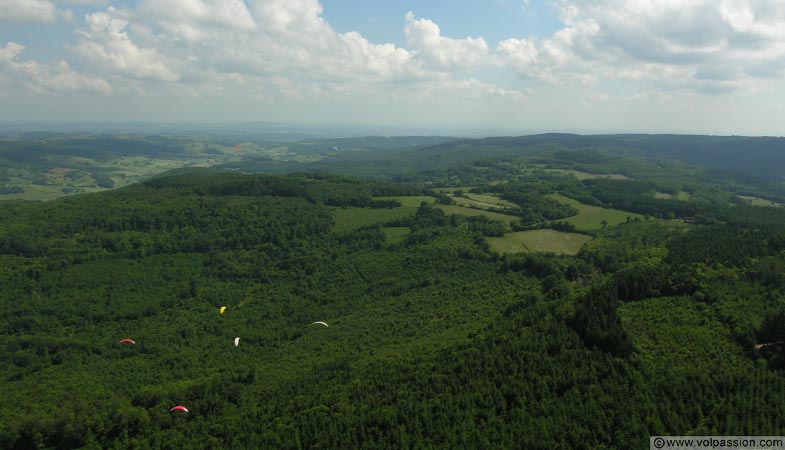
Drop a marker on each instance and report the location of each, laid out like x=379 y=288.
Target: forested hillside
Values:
x=667 y=325
x=755 y=156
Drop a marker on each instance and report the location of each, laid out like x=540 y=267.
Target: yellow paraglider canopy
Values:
x=221 y=311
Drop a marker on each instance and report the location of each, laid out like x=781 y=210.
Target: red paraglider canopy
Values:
x=128 y=341
x=179 y=408
x=237 y=147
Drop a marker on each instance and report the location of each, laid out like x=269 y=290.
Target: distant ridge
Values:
x=758 y=156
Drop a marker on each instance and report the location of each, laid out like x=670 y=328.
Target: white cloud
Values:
x=702 y=45
x=106 y=43
x=519 y=54
x=273 y=38
x=47 y=78
x=470 y=89
x=67 y=15
x=299 y=17
x=204 y=47
x=355 y=55
x=11 y=51
x=193 y=20
x=85 y=2
x=28 y=11
x=424 y=36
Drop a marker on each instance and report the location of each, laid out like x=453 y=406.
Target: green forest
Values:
x=671 y=322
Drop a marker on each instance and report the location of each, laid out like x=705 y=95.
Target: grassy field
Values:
x=483 y=201
x=352 y=218
x=396 y=234
x=450 y=190
x=76 y=178
x=588 y=176
x=454 y=209
x=539 y=241
x=37 y=192
x=591 y=217
x=410 y=201
x=755 y=201
x=680 y=196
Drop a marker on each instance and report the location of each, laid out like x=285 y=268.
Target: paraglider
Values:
x=236 y=147
x=127 y=341
x=222 y=309
x=320 y=323
x=236 y=341
x=179 y=408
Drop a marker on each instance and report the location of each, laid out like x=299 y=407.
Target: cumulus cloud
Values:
x=106 y=43
x=285 y=48
x=193 y=20
x=28 y=11
x=85 y=2
x=10 y=51
x=298 y=17
x=425 y=37
x=294 y=38
x=703 y=45
x=209 y=45
x=271 y=38
x=47 y=78
x=519 y=54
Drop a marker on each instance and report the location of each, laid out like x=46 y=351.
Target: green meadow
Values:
x=755 y=201
x=483 y=201
x=588 y=176
x=396 y=235
x=541 y=241
x=681 y=195
x=455 y=209
x=412 y=201
x=450 y=190
x=591 y=217
x=352 y=218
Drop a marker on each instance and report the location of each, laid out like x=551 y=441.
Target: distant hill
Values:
x=757 y=156
x=35 y=162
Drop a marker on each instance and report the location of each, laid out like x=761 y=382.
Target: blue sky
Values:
x=493 y=66
x=381 y=21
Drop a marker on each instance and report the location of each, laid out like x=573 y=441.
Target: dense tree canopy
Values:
x=434 y=341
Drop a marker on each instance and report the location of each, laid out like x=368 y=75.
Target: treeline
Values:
x=174 y=214
x=533 y=206
x=148 y=223
x=326 y=189
x=638 y=197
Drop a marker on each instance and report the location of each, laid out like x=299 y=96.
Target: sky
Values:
x=482 y=66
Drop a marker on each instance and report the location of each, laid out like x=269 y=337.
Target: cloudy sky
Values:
x=687 y=66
